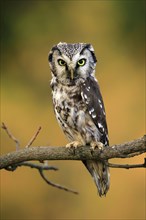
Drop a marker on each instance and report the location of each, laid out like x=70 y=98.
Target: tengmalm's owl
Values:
x=78 y=103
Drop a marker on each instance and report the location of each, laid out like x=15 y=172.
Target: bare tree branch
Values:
x=11 y=136
x=13 y=160
x=128 y=166
x=33 y=138
x=41 y=168
x=56 y=185
x=42 y=153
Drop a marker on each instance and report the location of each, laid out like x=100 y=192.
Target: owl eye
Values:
x=81 y=62
x=61 y=62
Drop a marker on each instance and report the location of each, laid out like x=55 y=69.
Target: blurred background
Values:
x=29 y=29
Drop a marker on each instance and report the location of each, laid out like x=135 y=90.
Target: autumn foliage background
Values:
x=29 y=29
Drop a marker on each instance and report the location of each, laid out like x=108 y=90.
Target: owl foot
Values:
x=74 y=144
x=97 y=145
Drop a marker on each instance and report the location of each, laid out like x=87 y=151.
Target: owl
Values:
x=78 y=103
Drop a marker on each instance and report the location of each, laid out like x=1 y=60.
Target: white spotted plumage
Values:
x=78 y=103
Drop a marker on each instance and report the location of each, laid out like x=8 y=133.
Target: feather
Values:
x=91 y=95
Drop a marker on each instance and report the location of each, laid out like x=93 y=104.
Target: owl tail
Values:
x=100 y=173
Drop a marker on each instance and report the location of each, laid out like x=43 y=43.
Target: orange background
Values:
x=29 y=30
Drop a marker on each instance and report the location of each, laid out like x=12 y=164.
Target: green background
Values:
x=29 y=29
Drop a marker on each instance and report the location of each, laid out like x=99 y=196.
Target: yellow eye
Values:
x=61 y=62
x=81 y=62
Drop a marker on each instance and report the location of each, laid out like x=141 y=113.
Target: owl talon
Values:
x=74 y=144
x=97 y=145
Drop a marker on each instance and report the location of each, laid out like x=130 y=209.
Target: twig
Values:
x=127 y=166
x=56 y=185
x=31 y=165
x=40 y=168
x=11 y=136
x=33 y=138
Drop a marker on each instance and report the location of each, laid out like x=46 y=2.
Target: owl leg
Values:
x=95 y=144
x=74 y=144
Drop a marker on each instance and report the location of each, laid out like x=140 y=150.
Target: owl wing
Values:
x=91 y=95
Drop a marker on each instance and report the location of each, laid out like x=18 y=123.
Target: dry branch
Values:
x=127 y=166
x=33 y=138
x=41 y=168
x=13 y=160
x=11 y=136
x=129 y=149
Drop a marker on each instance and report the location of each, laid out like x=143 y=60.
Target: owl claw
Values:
x=74 y=144
x=95 y=145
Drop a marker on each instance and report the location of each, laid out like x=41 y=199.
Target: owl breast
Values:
x=72 y=115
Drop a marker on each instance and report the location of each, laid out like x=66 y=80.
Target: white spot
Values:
x=87 y=102
x=105 y=143
x=88 y=88
x=92 y=110
x=85 y=96
x=104 y=112
x=99 y=100
x=81 y=93
x=93 y=116
x=101 y=106
x=100 y=125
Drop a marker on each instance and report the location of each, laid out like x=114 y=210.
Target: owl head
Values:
x=70 y=63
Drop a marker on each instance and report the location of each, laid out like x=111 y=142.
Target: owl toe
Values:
x=74 y=144
x=96 y=145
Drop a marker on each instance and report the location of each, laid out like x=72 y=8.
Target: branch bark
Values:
x=125 y=150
